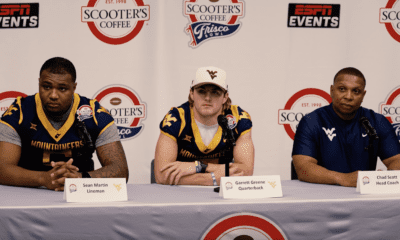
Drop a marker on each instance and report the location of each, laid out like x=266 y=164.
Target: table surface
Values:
x=294 y=191
x=306 y=211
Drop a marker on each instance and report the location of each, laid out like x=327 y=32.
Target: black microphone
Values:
x=223 y=122
x=368 y=128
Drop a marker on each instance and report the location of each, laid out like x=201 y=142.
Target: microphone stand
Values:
x=371 y=137
x=227 y=152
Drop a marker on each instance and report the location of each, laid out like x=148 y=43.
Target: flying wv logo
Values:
x=329 y=133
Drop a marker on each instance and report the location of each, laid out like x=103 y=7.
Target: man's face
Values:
x=56 y=92
x=347 y=94
x=208 y=100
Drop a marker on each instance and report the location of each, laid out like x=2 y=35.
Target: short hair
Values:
x=59 y=65
x=350 y=71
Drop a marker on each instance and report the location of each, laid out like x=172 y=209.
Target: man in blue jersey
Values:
x=331 y=145
x=50 y=136
x=191 y=142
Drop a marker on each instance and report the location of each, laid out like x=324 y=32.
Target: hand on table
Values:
x=55 y=178
x=174 y=171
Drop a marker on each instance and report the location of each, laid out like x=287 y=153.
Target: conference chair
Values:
x=293 y=171
x=152 y=177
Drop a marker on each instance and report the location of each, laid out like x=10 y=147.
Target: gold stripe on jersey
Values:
x=105 y=127
x=235 y=112
x=56 y=134
x=183 y=121
x=7 y=124
x=244 y=132
x=93 y=109
x=20 y=110
x=199 y=142
x=168 y=135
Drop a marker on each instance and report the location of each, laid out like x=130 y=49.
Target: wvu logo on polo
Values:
x=329 y=133
x=210 y=19
x=125 y=106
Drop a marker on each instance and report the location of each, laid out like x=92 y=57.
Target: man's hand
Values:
x=174 y=171
x=55 y=178
x=348 y=179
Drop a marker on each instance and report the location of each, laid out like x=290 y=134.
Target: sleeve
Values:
x=244 y=123
x=306 y=140
x=101 y=116
x=109 y=135
x=172 y=125
x=389 y=145
x=12 y=117
x=8 y=134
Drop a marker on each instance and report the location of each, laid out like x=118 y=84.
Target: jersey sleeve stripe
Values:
x=20 y=110
x=7 y=124
x=246 y=131
x=183 y=121
x=92 y=105
x=168 y=135
x=108 y=125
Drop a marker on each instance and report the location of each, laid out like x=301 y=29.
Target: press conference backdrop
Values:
x=138 y=57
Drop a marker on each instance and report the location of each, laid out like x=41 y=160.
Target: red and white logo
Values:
x=125 y=107
x=84 y=112
x=7 y=98
x=231 y=121
x=115 y=21
x=244 y=226
x=210 y=19
x=391 y=109
x=300 y=104
x=390 y=16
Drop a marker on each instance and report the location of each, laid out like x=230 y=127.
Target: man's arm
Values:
x=169 y=171
x=14 y=175
x=392 y=163
x=308 y=170
x=113 y=162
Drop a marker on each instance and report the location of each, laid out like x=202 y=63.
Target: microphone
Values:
x=228 y=134
x=368 y=128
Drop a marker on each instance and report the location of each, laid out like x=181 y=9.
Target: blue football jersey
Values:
x=340 y=145
x=42 y=143
x=179 y=124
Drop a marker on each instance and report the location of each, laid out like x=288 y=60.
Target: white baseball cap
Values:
x=210 y=75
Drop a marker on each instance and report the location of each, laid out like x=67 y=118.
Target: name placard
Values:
x=251 y=187
x=375 y=182
x=95 y=189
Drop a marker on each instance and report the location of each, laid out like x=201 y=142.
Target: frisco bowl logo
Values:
x=244 y=226
x=300 y=104
x=126 y=108
x=115 y=21
x=7 y=98
x=212 y=18
x=391 y=109
x=390 y=16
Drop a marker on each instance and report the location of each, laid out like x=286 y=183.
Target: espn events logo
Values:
x=391 y=109
x=19 y=15
x=300 y=104
x=115 y=21
x=212 y=19
x=306 y=15
x=390 y=16
x=7 y=98
x=125 y=107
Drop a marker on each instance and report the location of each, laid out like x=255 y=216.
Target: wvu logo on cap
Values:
x=212 y=74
